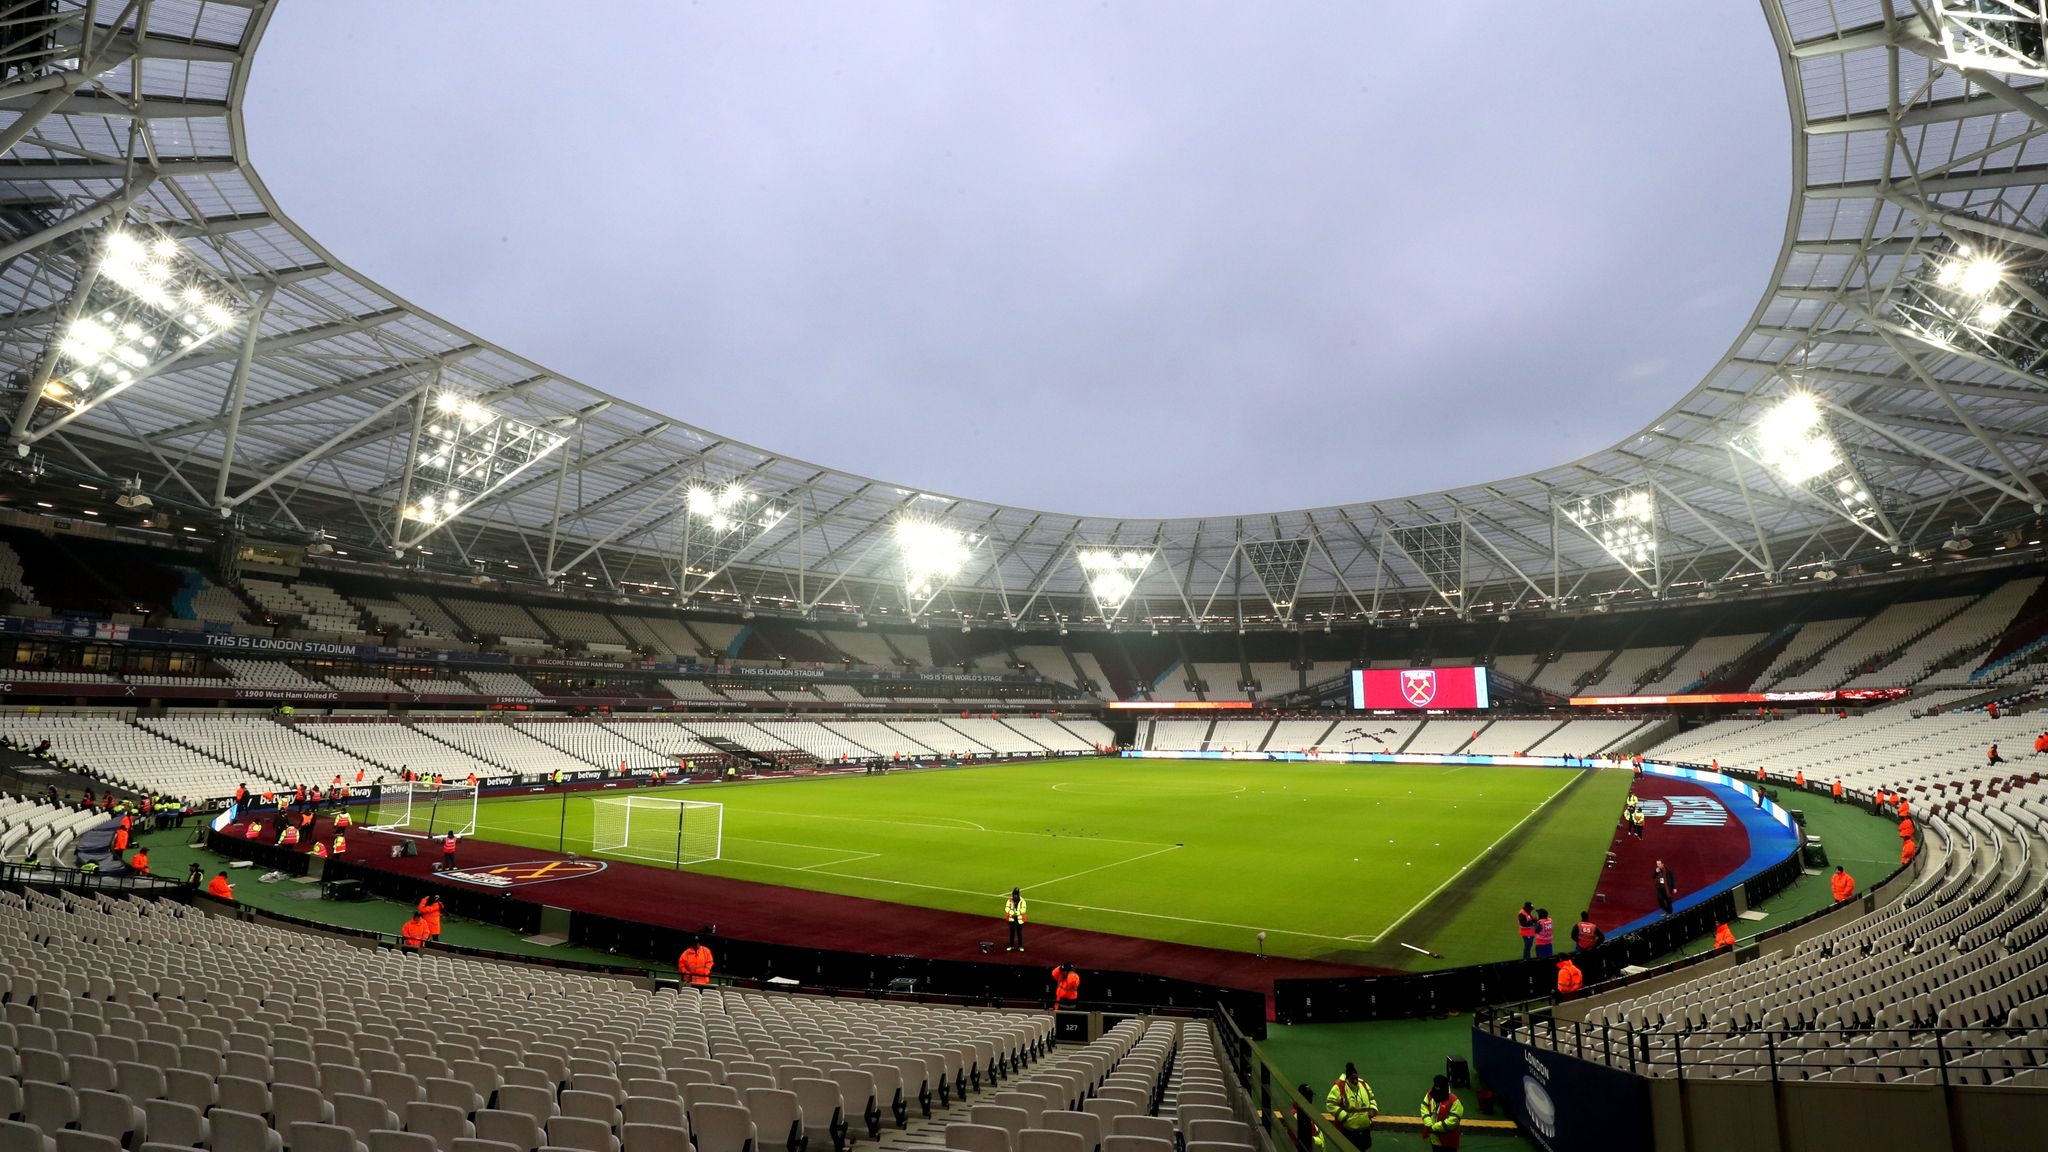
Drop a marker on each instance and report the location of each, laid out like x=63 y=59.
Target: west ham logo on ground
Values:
x=1418 y=686
x=525 y=872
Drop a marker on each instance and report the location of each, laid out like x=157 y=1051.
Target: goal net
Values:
x=424 y=809
x=675 y=832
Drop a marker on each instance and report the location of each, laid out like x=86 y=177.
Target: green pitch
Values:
x=1330 y=861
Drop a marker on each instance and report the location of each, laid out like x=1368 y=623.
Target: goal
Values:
x=675 y=832
x=424 y=809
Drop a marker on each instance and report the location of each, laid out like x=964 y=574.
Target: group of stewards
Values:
x=1352 y=1105
x=423 y=926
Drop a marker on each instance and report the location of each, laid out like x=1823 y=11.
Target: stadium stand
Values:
x=996 y=736
x=672 y=741
x=504 y=745
x=1567 y=670
x=1510 y=737
x=1697 y=663
x=132 y=757
x=202 y=600
x=348 y=682
x=14 y=579
x=402 y=623
x=430 y=614
x=397 y=747
x=1938 y=658
x=661 y=636
x=593 y=631
x=1441 y=736
x=316 y=607
x=1049 y=734
x=1806 y=645
x=515 y=1056
x=822 y=742
x=866 y=648
x=939 y=737
x=1586 y=737
x=745 y=735
x=1366 y=735
x=1628 y=668
x=1897 y=625
x=839 y=693
x=264 y=748
x=268 y=674
x=1178 y=735
x=1240 y=735
x=1521 y=668
x=1091 y=669
x=879 y=738
x=502 y=684
x=691 y=690
x=1220 y=681
x=593 y=744
x=1095 y=732
x=1274 y=679
x=1047 y=661
x=716 y=638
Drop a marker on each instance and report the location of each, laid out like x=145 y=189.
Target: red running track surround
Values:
x=1700 y=856
x=775 y=914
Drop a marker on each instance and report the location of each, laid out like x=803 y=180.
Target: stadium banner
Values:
x=1314 y=756
x=238 y=643
x=1721 y=780
x=1181 y=705
x=1413 y=689
x=1563 y=1102
x=1835 y=696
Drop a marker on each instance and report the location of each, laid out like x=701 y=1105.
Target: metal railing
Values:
x=1268 y=1101
x=1944 y=1056
x=78 y=880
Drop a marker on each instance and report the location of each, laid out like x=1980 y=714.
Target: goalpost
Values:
x=418 y=809
x=674 y=832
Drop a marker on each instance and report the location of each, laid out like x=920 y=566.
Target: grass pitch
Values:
x=1330 y=861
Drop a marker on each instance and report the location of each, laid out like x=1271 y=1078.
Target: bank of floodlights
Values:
x=1995 y=35
x=720 y=520
x=463 y=452
x=731 y=508
x=1968 y=300
x=1623 y=523
x=1793 y=440
x=932 y=555
x=143 y=304
x=1113 y=574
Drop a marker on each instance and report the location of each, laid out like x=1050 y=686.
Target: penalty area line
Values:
x=1448 y=880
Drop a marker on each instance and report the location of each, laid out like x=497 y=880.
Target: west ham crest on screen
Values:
x=1418 y=686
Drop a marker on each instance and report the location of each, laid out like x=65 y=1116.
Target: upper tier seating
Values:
x=662 y=636
x=1275 y=679
x=1878 y=635
x=1222 y=681
x=318 y=607
x=863 y=648
x=1629 y=666
x=401 y=620
x=1563 y=674
x=1696 y=663
x=587 y=628
x=501 y=684
x=268 y=674
x=1969 y=631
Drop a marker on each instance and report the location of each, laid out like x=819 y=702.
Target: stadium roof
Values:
x=1909 y=301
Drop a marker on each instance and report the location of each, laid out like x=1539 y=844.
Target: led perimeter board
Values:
x=1418 y=688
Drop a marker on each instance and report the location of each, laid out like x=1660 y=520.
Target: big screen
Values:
x=1373 y=688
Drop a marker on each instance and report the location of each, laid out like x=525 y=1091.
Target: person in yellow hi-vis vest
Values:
x=1013 y=916
x=1443 y=1114
x=1351 y=1104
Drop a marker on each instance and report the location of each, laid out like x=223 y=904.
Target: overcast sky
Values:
x=1160 y=258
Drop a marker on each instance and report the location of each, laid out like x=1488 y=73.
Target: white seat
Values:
x=978 y=1138
x=235 y=1131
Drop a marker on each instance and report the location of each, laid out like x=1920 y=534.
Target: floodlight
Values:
x=1112 y=576
x=465 y=452
x=1623 y=523
x=932 y=554
x=147 y=303
x=1792 y=440
x=132 y=495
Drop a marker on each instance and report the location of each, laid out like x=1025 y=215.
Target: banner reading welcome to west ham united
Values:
x=1415 y=688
